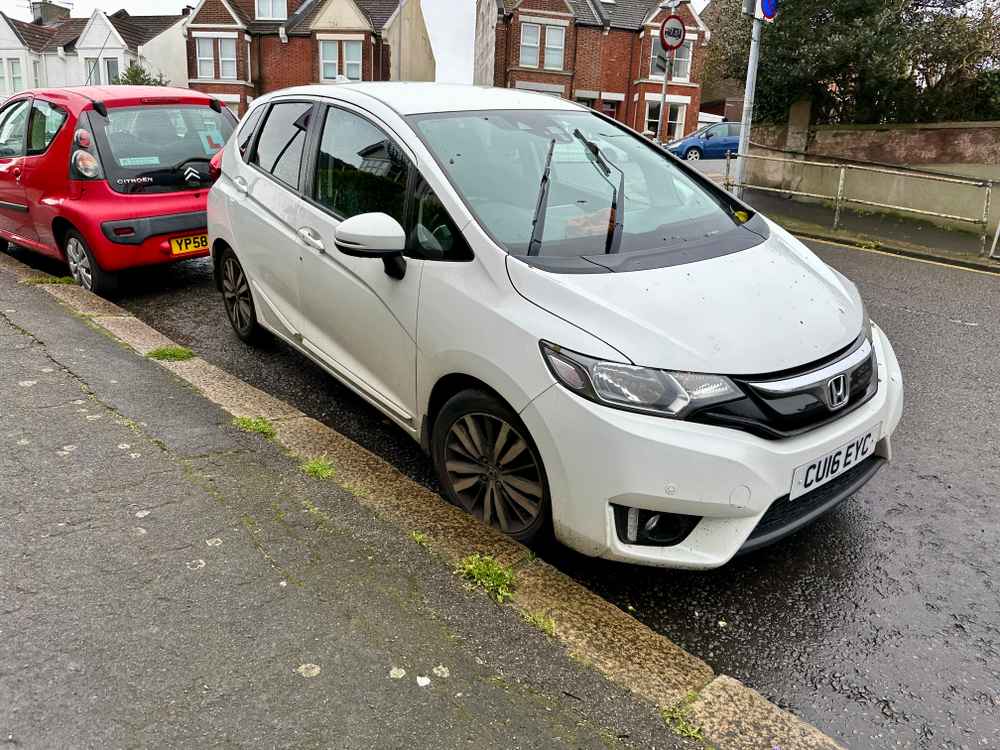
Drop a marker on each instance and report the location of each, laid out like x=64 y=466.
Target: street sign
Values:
x=672 y=32
x=768 y=9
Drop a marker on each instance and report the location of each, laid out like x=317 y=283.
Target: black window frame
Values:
x=308 y=181
x=306 y=147
x=259 y=113
x=31 y=117
x=24 y=134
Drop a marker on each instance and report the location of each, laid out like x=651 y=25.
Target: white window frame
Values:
x=201 y=58
x=687 y=47
x=671 y=133
x=269 y=7
x=36 y=69
x=561 y=32
x=3 y=77
x=350 y=62
x=92 y=64
x=536 y=46
x=107 y=72
x=19 y=78
x=325 y=60
x=224 y=59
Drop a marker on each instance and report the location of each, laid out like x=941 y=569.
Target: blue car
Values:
x=709 y=142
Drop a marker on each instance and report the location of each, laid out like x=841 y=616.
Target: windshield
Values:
x=496 y=161
x=160 y=148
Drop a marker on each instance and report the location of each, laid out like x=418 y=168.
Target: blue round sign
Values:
x=769 y=9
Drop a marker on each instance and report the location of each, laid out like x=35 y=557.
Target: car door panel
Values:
x=15 y=220
x=357 y=318
x=266 y=222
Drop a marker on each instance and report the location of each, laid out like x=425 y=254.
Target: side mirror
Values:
x=374 y=235
x=709 y=134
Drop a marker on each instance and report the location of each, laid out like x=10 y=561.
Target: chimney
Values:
x=45 y=12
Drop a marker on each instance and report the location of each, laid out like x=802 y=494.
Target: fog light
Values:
x=652 y=528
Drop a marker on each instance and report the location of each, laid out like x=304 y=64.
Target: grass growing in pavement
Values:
x=420 y=538
x=541 y=621
x=260 y=425
x=320 y=467
x=494 y=577
x=44 y=278
x=171 y=354
x=677 y=719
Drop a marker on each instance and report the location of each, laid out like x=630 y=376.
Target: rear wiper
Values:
x=617 y=226
x=538 y=222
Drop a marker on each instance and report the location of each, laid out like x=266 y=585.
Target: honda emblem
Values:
x=837 y=392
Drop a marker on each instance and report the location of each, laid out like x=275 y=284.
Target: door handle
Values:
x=16 y=171
x=240 y=183
x=310 y=238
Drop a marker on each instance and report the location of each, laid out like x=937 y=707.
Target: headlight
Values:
x=641 y=389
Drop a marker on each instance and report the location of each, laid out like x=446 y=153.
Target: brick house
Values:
x=602 y=53
x=240 y=49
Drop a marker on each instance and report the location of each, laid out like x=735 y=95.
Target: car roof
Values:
x=78 y=97
x=423 y=98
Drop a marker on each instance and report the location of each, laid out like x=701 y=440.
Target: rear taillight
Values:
x=215 y=166
x=85 y=165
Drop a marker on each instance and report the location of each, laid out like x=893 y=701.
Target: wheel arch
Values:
x=61 y=226
x=218 y=247
x=446 y=387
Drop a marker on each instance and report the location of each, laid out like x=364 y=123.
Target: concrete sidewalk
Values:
x=875 y=230
x=171 y=581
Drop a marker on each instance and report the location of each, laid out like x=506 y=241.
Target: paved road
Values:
x=881 y=623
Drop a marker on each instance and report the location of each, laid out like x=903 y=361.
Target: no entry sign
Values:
x=672 y=32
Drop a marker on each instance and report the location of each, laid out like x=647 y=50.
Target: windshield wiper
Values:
x=617 y=226
x=538 y=222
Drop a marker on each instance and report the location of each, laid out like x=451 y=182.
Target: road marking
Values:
x=952 y=266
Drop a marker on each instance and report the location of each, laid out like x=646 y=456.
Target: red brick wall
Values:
x=286 y=64
x=214 y=11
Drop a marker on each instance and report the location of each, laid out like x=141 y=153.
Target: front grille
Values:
x=786 y=516
x=775 y=416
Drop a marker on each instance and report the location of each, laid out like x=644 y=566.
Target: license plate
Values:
x=816 y=473
x=191 y=244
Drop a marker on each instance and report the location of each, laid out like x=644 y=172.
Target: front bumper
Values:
x=596 y=456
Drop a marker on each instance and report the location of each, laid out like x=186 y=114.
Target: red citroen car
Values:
x=107 y=178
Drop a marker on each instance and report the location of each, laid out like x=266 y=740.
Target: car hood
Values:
x=772 y=307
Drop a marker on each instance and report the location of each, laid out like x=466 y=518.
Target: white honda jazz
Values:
x=585 y=334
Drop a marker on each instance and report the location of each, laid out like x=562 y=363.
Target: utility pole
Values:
x=760 y=10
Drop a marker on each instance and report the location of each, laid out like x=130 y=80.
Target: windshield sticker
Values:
x=139 y=161
x=211 y=140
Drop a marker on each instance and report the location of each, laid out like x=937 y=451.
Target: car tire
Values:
x=83 y=266
x=238 y=300
x=488 y=465
x=692 y=154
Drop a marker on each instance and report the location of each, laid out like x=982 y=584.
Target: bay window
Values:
x=227 y=58
x=329 y=61
x=205 y=51
x=530 y=38
x=555 y=43
x=352 y=60
x=682 y=61
x=673 y=128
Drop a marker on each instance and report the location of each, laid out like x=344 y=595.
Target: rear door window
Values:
x=160 y=148
x=282 y=141
x=46 y=120
x=247 y=130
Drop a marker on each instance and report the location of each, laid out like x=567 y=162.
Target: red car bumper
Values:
x=125 y=231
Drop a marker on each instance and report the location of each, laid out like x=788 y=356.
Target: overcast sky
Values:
x=451 y=24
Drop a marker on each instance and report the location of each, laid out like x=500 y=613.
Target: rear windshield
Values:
x=160 y=148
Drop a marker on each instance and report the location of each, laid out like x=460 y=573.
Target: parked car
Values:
x=709 y=142
x=109 y=178
x=585 y=334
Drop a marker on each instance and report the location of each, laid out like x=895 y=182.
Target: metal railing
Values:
x=841 y=198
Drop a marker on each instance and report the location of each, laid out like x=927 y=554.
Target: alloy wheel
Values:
x=693 y=155
x=79 y=263
x=494 y=472
x=236 y=294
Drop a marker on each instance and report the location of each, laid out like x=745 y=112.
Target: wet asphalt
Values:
x=880 y=624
